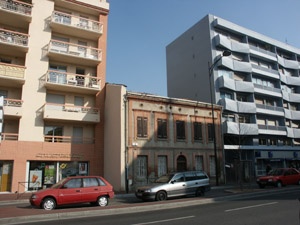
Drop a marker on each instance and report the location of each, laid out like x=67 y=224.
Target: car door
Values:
x=177 y=185
x=191 y=183
x=70 y=192
x=91 y=189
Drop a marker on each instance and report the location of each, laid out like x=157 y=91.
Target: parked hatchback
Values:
x=175 y=184
x=279 y=177
x=74 y=190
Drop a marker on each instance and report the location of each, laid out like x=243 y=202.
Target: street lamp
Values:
x=210 y=71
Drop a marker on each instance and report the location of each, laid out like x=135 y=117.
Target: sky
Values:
x=140 y=30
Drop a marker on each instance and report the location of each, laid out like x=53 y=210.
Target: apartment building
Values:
x=258 y=86
x=52 y=73
x=147 y=136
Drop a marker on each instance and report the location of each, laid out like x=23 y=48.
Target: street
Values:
x=276 y=209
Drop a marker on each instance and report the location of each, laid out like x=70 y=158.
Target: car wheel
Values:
x=161 y=196
x=102 y=201
x=49 y=204
x=279 y=184
x=200 y=192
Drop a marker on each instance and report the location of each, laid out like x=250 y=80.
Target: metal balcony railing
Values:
x=16 y=6
x=75 y=50
x=58 y=77
x=12 y=102
x=78 y=22
x=9 y=136
x=69 y=139
x=14 y=38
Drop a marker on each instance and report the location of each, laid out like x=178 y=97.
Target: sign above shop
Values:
x=59 y=156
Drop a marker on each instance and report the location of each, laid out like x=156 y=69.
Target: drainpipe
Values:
x=125 y=101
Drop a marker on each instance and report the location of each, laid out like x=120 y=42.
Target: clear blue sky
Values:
x=140 y=30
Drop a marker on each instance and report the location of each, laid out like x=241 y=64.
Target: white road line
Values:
x=252 y=206
x=162 y=221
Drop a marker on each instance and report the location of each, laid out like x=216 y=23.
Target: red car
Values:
x=279 y=177
x=74 y=190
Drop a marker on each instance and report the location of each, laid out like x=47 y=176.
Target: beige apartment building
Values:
x=147 y=136
x=52 y=74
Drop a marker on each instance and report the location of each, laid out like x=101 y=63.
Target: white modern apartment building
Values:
x=258 y=86
x=52 y=74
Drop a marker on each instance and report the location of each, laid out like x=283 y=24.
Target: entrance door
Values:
x=181 y=163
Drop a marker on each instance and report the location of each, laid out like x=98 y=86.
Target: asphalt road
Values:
x=276 y=209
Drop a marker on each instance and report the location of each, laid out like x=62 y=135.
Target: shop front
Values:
x=5 y=175
x=43 y=174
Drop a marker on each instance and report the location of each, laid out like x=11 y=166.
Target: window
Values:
x=210 y=132
x=244 y=118
x=142 y=166
x=241 y=97
x=262 y=141
x=180 y=130
x=90 y=182
x=162 y=129
x=197 y=131
x=73 y=183
x=53 y=133
x=3 y=93
x=199 y=162
x=225 y=95
x=77 y=135
x=162 y=165
x=142 y=127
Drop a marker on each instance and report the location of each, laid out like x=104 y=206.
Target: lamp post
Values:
x=210 y=71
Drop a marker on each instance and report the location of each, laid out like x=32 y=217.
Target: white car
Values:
x=175 y=184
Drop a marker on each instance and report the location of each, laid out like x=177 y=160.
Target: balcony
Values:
x=15 y=13
x=265 y=71
x=74 y=54
x=9 y=136
x=15 y=42
x=78 y=26
x=57 y=112
x=291 y=114
x=265 y=90
x=272 y=130
x=290 y=64
x=262 y=53
x=62 y=81
x=11 y=75
x=237 y=106
x=290 y=80
x=291 y=97
x=240 y=128
x=270 y=110
x=236 y=65
x=231 y=45
x=69 y=139
x=235 y=85
x=12 y=108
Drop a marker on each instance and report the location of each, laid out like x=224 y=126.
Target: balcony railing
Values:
x=58 y=77
x=14 y=38
x=272 y=89
x=71 y=108
x=9 y=136
x=80 y=51
x=270 y=107
x=16 y=6
x=271 y=127
x=78 y=22
x=10 y=70
x=69 y=139
x=12 y=102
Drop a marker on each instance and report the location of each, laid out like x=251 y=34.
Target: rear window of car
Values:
x=90 y=182
x=201 y=175
x=101 y=182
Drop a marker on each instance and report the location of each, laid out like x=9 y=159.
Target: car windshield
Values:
x=276 y=172
x=164 y=178
x=58 y=184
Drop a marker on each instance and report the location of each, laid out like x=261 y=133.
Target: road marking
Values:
x=252 y=206
x=162 y=221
